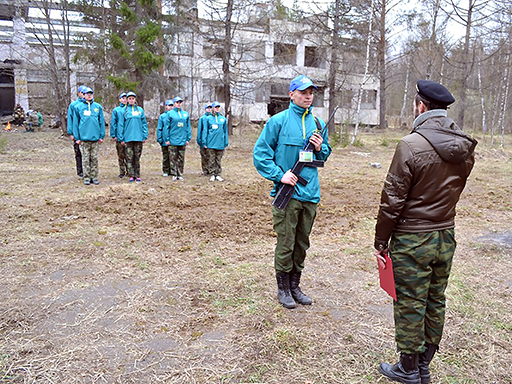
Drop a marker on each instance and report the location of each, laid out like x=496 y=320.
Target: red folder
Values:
x=387 y=280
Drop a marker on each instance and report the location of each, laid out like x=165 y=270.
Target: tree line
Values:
x=396 y=42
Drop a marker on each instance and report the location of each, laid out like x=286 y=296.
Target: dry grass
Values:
x=173 y=282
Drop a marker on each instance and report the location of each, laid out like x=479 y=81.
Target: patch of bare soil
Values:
x=173 y=282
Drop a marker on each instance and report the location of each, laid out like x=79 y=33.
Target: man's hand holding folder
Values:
x=387 y=279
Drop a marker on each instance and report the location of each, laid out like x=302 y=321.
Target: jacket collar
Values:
x=299 y=110
x=427 y=115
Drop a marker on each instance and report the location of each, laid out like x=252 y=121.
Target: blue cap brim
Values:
x=306 y=86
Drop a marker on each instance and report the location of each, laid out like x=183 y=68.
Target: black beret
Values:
x=434 y=92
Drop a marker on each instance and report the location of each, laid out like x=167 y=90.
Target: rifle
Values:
x=285 y=191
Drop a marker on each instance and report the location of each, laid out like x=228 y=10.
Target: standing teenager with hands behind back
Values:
x=133 y=132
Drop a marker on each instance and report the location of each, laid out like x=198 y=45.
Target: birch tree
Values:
x=55 y=43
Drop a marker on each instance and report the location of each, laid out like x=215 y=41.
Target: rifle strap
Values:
x=318 y=125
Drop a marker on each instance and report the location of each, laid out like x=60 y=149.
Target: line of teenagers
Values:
x=415 y=223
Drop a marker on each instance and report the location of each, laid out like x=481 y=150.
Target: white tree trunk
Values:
x=365 y=79
x=482 y=100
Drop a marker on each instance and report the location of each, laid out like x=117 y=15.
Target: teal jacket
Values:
x=163 y=121
x=278 y=147
x=216 y=132
x=71 y=113
x=40 y=119
x=88 y=121
x=115 y=118
x=201 y=129
x=133 y=125
x=178 y=131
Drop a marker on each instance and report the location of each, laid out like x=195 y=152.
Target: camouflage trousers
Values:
x=133 y=151
x=204 y=160
x=177 y=159
x=90 y=152
x=293 y=227
x=421 y=267
x=214 y=160
x=121 y=158
x=166 y=160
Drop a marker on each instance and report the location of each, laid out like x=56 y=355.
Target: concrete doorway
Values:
x=7 y=93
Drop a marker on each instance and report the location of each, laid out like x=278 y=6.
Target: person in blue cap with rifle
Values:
x=280 y=145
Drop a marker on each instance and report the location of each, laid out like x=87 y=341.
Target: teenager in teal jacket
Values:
x=163 y=121
x=216 y=140
x=114 y=127
x=76 y=147
x=177 y=135
x=276 y=151
x=89 y=132
x=201 y=135
x=133 y=132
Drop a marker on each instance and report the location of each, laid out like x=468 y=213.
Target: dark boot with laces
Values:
x=297 y=293
x=405 y=371
x=284 y=294
x=424 y=361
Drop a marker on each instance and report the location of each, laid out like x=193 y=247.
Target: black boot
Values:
x=283 y=290
x=424 y=361
x=297 y=294
x=405 y=371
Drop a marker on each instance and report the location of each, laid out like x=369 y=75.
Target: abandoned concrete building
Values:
x=265 y=58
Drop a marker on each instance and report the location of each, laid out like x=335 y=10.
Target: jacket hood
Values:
x=448 y=140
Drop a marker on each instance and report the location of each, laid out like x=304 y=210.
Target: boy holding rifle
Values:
x=281 y=144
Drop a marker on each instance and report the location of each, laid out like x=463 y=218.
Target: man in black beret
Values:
x=415 y=227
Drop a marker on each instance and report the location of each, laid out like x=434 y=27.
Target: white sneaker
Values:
x=174 y=178
x=165 y=175
x=218 y=178
x=212 y=178
x=181 y=178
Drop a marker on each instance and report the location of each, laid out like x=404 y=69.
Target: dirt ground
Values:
x=173 y=282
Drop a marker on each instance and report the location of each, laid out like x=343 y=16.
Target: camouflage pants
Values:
x=421 y=266
x=90 y=152
x=293 y=227
x=121 y=158
x=133 y=151
x=204 y=160
x=214 y=161
x=177 y=159
x=166 y=161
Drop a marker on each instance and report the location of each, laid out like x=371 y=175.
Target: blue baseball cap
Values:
x=81 y=88
x=215 y=104
x=176 y=99
x=87 y=90
x=207 y=106
x=131 y=93
x=122 y=95
x=301 y=83
x=169 y=102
